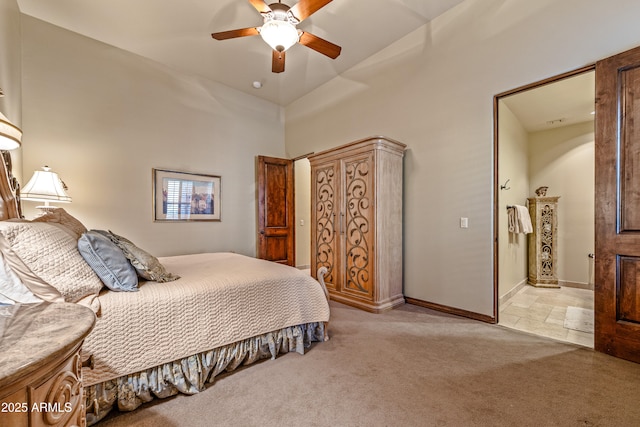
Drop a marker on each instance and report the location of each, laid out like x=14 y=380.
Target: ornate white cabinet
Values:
x=356 y=217
x=543 y=242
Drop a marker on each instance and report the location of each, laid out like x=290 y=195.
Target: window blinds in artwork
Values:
x=186 y=197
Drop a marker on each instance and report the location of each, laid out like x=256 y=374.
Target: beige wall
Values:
x=103 y=118
x=433 y=90
x=563 y=160
x=303 y=213
x=513 y=166
x=11 y=70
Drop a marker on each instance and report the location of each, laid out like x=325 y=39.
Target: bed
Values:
x=188 y=319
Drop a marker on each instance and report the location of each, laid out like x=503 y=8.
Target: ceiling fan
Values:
x=279 y=30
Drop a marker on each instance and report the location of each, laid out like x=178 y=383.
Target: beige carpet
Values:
x=414 y=367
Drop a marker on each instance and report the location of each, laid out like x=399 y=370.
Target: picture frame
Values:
x=186 y=196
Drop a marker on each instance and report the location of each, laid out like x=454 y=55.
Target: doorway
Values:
x=545 y=138
x=302 y=173
x=283 y=193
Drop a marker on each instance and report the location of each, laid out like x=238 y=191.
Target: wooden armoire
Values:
x=356 y=216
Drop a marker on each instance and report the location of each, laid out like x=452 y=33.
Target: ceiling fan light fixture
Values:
x=280 y=35
x=280 y=32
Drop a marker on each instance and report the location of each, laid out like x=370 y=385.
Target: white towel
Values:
x=523 y=219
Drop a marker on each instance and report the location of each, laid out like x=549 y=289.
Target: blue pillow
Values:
x=108 y=261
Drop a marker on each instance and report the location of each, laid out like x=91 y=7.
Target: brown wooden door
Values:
x=617 y=202
x=276 y=222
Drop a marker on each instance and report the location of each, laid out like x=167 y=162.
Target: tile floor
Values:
x=541 y=311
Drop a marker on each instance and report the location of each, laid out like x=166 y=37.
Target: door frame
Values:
x=496 y=183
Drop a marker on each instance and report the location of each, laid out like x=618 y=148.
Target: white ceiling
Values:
x=565 y=102
x=178 y=34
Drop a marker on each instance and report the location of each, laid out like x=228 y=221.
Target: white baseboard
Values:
x=579 y=285
x=513 y=291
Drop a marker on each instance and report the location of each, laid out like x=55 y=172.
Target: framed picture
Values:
x=184 y=196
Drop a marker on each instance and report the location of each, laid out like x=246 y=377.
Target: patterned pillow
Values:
x=147 y=266
x=50 y=257
x=108 y=261
x=62 y=217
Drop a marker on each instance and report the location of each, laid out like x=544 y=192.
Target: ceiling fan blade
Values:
x=277 y=63
x=305 y=8
x=260 y=6
x=231 y=34
x=320 y=45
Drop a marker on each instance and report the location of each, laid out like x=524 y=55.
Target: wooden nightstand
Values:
x=40 y=366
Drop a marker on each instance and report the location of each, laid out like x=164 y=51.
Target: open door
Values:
x=617 y=203
x=276 y=222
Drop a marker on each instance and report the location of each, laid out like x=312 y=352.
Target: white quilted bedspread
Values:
x=220 y=298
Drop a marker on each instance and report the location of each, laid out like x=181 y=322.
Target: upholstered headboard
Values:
x=9 y=203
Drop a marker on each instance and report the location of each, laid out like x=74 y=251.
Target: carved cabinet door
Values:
x=357 y=224
x=325 y=187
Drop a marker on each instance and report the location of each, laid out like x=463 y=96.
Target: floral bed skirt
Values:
x=190 y=374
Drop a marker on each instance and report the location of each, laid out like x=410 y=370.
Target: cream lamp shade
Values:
x=10 y=134
x=45 y=186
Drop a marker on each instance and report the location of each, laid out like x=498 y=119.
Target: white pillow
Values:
x=47 y=261
x=12 y=290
